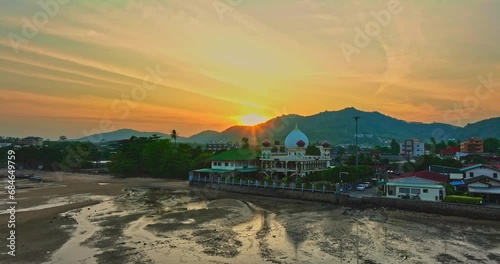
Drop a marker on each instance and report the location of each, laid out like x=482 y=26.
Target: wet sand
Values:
x=149 y=221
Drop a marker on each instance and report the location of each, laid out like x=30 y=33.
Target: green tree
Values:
x=491 y=145
x=439 y=146
x=395 y=149
x=313 y=150
x=245 y=143
x=340 y=153
x=433 y=145
x=383 y=149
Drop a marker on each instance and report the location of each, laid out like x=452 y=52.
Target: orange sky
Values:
x=96 y=66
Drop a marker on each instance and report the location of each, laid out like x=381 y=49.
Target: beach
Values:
x=78 y=218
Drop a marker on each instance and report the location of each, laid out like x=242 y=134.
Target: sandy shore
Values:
x=105 y=220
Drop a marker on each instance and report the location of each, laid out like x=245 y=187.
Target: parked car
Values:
x=360 y=187
x=367 y=185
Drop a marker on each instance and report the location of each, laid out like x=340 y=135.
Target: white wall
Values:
x=430 y=195
x=231 y=165
x=482 y=171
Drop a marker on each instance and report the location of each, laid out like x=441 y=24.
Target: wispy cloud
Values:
x=262 y=57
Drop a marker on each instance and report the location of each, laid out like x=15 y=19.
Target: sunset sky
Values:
x=76 y=67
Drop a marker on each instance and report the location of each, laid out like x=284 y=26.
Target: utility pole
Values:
x=356 y=118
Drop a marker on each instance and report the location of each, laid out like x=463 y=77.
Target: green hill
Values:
x=338 y=127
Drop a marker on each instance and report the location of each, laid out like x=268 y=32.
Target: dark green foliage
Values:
x=245 y=144
x=312 y=150
x=440 y=146
x=69 y=156
x=474 y=159
x=424 y=161
x=362 y=159
x=157 y=158
x=462 y=199
x=385 y=149
x=492 y=145
x=395 y=149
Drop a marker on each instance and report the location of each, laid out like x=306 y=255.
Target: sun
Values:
x=252 y=119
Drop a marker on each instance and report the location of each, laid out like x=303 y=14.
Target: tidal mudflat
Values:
x=147 y=221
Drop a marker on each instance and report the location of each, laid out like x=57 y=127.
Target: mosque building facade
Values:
x=292 y=161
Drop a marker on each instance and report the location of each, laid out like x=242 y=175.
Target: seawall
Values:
x=450 y=209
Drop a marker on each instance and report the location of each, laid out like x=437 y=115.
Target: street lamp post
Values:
x=356 y=118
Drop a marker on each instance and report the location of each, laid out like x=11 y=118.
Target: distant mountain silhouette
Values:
x=338 y=127
x=124 y=134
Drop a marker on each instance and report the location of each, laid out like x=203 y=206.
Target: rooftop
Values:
x=237 y=154
x=488 y=166
x=426 y=175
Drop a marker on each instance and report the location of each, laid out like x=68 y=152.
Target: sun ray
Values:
x=251 y=119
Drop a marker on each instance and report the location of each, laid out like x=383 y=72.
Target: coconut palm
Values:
x=174 y=136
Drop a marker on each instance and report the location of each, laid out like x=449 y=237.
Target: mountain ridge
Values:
x=338 y=127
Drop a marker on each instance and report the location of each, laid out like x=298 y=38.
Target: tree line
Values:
x=155 y=157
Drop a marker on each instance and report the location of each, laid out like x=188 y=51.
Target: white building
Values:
x=292 y=159
x=420 y=185
x=483 y=180
x=412 y=148
x=231 y=163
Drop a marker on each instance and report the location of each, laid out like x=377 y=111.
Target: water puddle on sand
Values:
x=73 y=251
x=279 y=241
x=263 y=235
x=137 y=229
x=247 y=234
x=60 y=201
x=196 y=205
x=137 y=236
x=38 y=207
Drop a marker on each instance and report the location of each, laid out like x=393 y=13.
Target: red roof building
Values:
x=426 y=175
x=448 y=151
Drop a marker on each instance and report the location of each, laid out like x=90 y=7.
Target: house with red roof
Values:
x=420 y=185
x=448 y=152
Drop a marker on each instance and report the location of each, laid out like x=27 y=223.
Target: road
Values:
x=368 y=192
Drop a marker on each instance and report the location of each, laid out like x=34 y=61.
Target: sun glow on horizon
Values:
x=252 y=119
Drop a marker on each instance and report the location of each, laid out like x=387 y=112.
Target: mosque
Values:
x=291 y=160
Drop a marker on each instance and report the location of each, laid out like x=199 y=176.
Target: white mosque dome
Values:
x=294 y=136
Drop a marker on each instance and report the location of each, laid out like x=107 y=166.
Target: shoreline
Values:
x=440 y=208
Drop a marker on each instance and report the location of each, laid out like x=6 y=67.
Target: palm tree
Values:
x=174 y=136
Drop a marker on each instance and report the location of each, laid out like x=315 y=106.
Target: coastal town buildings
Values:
x=412 y=148
x=472 y=145
x=31 y=141
x=216 y=146
x=277 y=161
